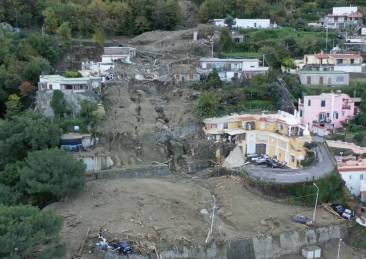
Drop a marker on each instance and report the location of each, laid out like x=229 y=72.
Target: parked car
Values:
x=302 y=220
x=122 y=248
x=342 y=211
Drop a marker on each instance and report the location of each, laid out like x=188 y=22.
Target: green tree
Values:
x=211 y=9
x=58 y=104
x=13 y=105
x=64 y=32
x=24 y=133
x=27 y=232
x=99 y=36
x=88 y=112
x=72 y=74
x=213 y=80
x=34 y=68
x=50 y=174
x=208 y=105
x=50 y=20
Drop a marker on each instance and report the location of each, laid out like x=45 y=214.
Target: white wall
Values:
x=253 y=23
x=352 y=180
x=348 y=68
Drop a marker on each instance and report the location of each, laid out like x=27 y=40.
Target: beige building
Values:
x=279 y=135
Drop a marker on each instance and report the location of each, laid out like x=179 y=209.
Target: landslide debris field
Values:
x=164 y=212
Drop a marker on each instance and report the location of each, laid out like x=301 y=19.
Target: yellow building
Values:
x=279 y=135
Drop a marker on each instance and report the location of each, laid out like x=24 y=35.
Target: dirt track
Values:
x=168 y=210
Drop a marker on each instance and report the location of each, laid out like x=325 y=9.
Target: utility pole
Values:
x=326 y=39
x=339 y=248
x=316 y=201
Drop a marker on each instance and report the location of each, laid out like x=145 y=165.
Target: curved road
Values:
x=324 y=166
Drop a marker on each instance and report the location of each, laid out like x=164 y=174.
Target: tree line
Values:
x=283 y=12
x=115 y=17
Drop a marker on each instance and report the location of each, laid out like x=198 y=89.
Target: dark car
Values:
x=342 y=211
x=302 y=220
x=123 y=248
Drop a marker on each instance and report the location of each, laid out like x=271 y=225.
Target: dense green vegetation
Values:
x=27 y=232
x=278 y=47
x=259 y=94
x=85 y=17
x=293 y=13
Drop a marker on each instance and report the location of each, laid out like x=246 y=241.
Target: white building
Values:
x=96 y=68
x=246 y=23
x=353 y=172
x=342 y=17
x=229 y=68
x=76 y=85
x=122 y=54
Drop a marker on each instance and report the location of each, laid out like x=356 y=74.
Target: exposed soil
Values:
x=161 y=212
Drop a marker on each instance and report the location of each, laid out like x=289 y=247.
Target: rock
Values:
x=204 y=212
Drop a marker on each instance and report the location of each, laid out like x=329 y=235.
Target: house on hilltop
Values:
x=341 y=17
x=232 y=69
x=72 y=85
x=122 y=54
x=279 y=135
x=326 y=112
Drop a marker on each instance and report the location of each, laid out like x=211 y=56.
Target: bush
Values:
x=48 y=175
x=27 y=232
x=22 y=134
x=72 y=74
x=208 y=105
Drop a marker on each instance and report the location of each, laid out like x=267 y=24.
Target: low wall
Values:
x=261 y=247
x=138 y=172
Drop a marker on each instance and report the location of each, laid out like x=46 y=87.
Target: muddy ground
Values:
x=166 y=211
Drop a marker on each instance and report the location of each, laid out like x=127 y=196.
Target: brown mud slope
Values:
x=167 y=211
x=141 y=119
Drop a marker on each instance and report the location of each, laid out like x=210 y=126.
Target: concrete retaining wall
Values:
x=263 y=247
x=138 y=172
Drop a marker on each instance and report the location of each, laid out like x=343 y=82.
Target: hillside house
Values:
x=74 y=85
x=323 y=78
x=184 y=73
x=246 y=23
x=346 y=62
x=279 y=135
x=341 y=17
x=353 y=172
x=232 y=69
x=122 y=54
x=357 y=42
x=326 y=112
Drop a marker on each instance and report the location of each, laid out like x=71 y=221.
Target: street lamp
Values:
x=316 y=201
x=339 y=248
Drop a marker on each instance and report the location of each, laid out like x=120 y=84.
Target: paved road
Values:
x=324 y=166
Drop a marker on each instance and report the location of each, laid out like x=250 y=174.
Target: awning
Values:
x=233 y=132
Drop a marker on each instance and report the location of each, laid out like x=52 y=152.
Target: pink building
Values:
x=326 y=112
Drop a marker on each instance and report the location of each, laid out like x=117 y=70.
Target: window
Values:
x=309 y=102
x=50 y=86
x=335 y=115
x=361 y=176
x=225 y=125
x=352 y=61
x=300 y=113
x=322 y=103
x=350 y=177
x=339 y=61
x=308 y=80
x=339 y=79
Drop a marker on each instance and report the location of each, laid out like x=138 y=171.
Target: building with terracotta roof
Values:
x=280 y=135
x=351 y=62
x=341 y=17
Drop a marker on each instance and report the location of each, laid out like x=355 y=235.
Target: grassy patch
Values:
x=357 y=236
x=240 y=54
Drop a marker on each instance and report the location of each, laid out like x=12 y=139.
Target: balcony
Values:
x=346 y=107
